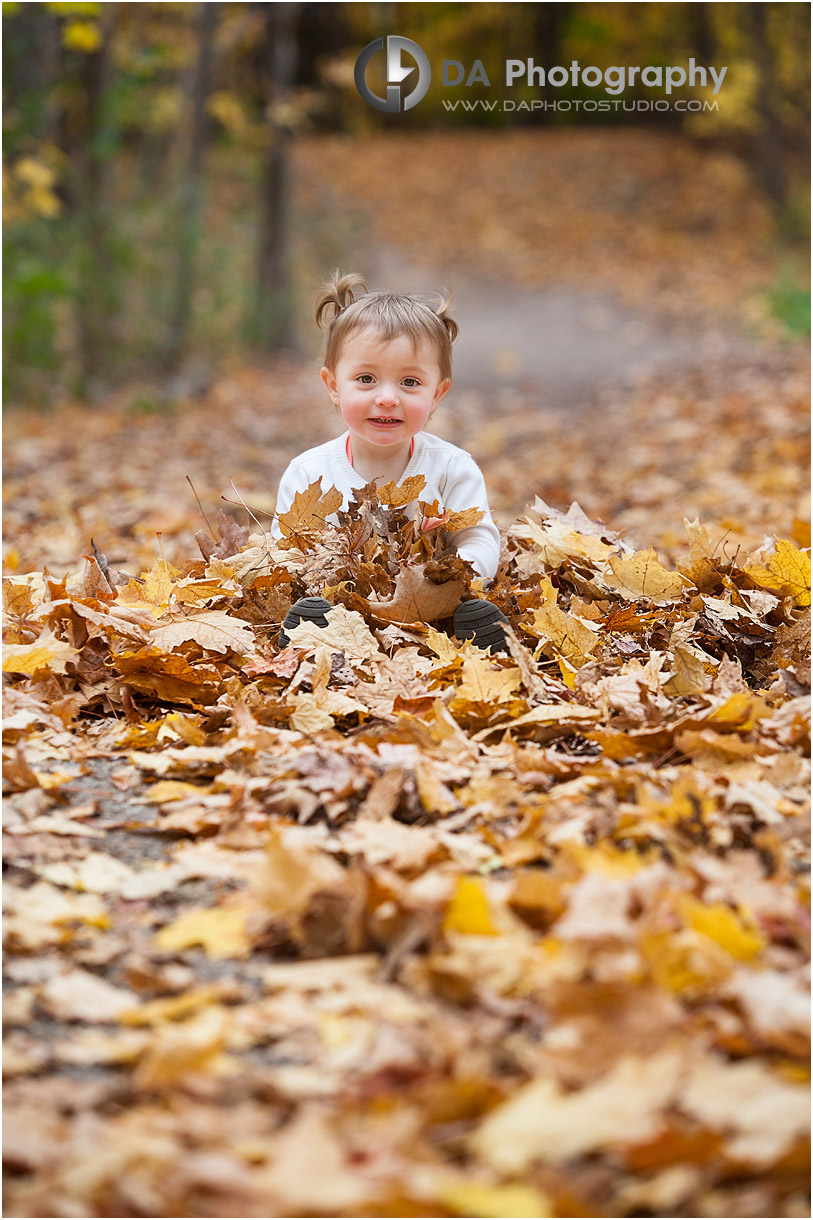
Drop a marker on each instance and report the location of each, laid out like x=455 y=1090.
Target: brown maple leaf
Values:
x=396 y=495
x=305 y=519
x=415 y=599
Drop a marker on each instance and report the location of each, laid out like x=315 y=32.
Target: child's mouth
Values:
x=385 y=421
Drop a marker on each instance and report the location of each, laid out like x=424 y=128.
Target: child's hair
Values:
x=388 y=314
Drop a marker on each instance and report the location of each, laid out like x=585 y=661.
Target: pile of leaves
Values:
x=379 y=923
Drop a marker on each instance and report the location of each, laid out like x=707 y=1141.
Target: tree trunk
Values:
x=97 y=297
x=272 y=327
x=769 y=142
x=190 y=192
x=548 y=25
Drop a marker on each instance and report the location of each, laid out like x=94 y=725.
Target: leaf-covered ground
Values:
x=379 y=924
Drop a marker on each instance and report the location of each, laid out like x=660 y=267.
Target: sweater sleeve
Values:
x=464 y=488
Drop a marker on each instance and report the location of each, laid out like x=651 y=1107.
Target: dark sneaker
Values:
x=306 y=610
x=481 y=622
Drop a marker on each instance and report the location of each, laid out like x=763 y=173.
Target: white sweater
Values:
x=453 y=478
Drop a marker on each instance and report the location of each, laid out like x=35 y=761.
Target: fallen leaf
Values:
x=785 y=572
x=308 y=514
x=77 y=995
x=468 y=910
x=47 y=656
x=416 y=599
x=542 y=1122
x=643 y=575
x=213 y=630
x=220 y=930
x=346 y=632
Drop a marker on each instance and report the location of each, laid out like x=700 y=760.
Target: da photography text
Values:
x=409 y=73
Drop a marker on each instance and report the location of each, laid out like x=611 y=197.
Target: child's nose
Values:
x=387 y=393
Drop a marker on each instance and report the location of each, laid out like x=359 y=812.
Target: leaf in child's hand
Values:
x=396 y=495
x=416 y=599
x=451 y=521
x=305 y=519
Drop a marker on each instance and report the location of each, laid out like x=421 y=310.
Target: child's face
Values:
x=385 y=389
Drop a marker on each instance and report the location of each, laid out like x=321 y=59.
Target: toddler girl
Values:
x=388 y=363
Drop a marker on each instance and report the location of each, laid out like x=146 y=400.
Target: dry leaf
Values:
x=307 y=516
x=416 y=599
x=77 y=995
x=213 y=630
x=47 y=656
x=785 y=572
x=643 y=575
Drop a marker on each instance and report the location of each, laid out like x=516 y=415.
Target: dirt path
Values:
x=561 y=344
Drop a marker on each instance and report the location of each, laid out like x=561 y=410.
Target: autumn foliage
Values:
x=380 y=924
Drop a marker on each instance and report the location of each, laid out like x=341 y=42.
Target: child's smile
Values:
x=386 y=390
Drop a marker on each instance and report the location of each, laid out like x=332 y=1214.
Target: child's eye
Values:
x=365 y=378
x=409 y=382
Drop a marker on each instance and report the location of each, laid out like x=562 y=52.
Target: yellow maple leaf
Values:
x=721 y=924
x=484 y=683
x=220 y=930
x=468 y=910
x=47 y=655
x=153 y=592
x=643 y=575
x=786 y=572
x=566 y=636
x=558 y=542
x=441 y=645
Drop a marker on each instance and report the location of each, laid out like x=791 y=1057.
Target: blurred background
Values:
x=180 y=177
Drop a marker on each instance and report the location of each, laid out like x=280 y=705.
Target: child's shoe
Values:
x=307 y=609
x=480 y=621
